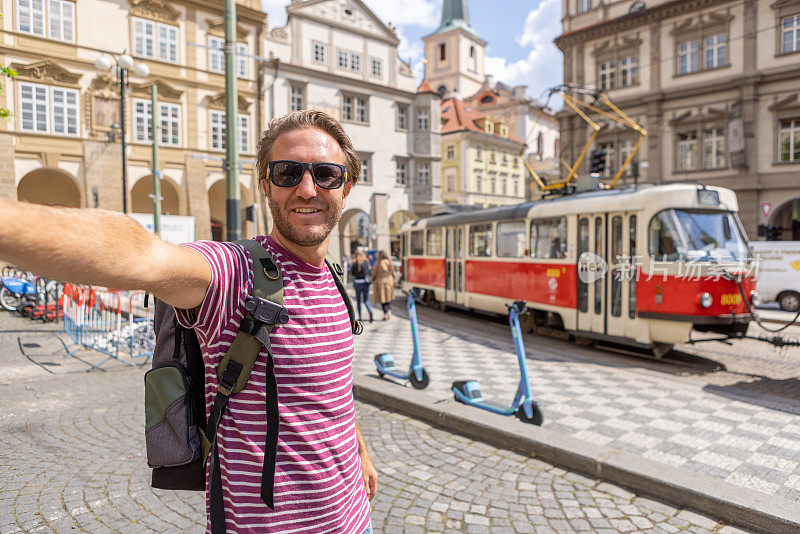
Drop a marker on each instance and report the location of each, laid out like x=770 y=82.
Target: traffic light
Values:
x=597 y=163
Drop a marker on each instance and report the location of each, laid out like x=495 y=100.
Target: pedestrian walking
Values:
x=362 y=278
x=307 y=167
x=384 y=278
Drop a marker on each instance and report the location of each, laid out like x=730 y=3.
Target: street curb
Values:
x=728 y=503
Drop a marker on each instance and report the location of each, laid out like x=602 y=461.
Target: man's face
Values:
x=305 y=214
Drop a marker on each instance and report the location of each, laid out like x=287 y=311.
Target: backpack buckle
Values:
x=266 y=311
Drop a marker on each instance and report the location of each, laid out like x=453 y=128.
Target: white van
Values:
x=778 y=272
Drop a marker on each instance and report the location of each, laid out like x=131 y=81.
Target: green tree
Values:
x=9 y=72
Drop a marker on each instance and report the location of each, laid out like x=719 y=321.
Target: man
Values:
x=307 y=167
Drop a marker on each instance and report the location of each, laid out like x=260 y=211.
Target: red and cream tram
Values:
x=641 y=266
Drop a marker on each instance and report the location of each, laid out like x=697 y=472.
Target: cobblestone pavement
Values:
x=692 y=413
x=71 y=460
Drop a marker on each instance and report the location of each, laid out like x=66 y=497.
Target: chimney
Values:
x=489 y=81
x=520 y=91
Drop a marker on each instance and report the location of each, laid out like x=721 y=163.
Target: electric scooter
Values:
x=16 y=289
x=416 y=373
x=526 y=409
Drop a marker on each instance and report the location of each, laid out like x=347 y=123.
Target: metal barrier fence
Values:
x=115 y=323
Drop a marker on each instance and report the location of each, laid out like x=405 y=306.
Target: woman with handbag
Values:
x=360 y=271
x=384 y=279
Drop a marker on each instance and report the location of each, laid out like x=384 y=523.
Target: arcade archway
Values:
x=217 y=202
x=354 y=231
x=49 y=186
x=787 y=218
x=142 y=202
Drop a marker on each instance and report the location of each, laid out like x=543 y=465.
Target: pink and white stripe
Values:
x=318 y=483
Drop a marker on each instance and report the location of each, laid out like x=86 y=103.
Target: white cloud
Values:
x=542 y=67
x=276 y=11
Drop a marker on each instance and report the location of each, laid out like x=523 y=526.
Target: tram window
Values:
x=632 y=272
x=598 y=249
x=511 y=239
x=434 y=245
x=417 y=243
x=616 y=239
x=480 y=240
x=549 y=238
x=583 y=246
x=664 y=237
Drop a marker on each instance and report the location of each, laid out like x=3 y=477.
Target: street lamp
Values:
x=124 y=63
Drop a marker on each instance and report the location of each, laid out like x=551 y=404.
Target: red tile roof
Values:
x=458 y=116
x=425 y=87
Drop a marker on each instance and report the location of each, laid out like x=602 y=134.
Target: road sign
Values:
x=766 y=207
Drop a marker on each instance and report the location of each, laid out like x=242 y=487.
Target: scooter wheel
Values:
x=538 y=416
x=419 y=384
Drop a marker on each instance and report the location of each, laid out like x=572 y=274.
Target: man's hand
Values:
x=368 y=472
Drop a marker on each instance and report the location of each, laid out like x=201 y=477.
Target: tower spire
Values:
x=454 y=10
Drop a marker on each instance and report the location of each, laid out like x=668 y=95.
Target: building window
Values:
x=375 y=65
x=354 y=109
x=516 y=187
x=688 y=57
x=355 y=62
x=625 y=149
x=423 y=174
x=503 y=186
x=478 y=153
x=492 y=156
x=451 y=182
x=216 y=57
x=216 y=131
x=422 y=119
x=611 y=159
x=60 y=18
x=606 y=74
x=402 y=117
x=715 y=51
x=400 y=174
x=628 y=71
x=451 y=151
x=505 y=158
x=478 y=183
x=584 y=6
x=473 y=60
x=790 y=34
x=442 y=52
x=169 y=116
x=241 y=60
x=318 y=53
x=714 y=148
x=295 y=98
x=45 y=109
x=789 y=135
x=244 y=133
x=342 y=57
x=366 y=167
x=149 y=36
x=687 y=151
x=492 y=184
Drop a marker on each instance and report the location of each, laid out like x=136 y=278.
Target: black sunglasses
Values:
x=287 y=173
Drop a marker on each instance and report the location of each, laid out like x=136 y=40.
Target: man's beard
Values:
x=306 y=236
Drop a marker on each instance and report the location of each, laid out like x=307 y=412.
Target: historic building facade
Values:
x=337 y=56
x=62 y=145
x=481 y=158
x=715 y=83
x=454 y=66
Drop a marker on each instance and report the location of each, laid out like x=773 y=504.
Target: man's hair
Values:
x=307 y=118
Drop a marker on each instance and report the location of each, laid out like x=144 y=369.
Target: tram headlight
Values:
x=706 y=300
x=755 y=300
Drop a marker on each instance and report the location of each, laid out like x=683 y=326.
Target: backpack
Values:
x=178 y=438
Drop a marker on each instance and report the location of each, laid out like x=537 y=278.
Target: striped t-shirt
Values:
x=318 y=482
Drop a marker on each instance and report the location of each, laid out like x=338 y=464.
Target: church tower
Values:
x=454 y=53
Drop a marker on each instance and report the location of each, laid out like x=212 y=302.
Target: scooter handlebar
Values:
x=518 y=305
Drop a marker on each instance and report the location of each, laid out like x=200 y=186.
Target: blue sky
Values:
x=520 y=34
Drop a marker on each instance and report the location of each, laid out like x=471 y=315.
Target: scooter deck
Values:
x=493 y=405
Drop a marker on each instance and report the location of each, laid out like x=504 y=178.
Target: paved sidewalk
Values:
x=72 y=460
x=717 y=431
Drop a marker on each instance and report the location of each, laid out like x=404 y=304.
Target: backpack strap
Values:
x=234 y=370
x=337 y=272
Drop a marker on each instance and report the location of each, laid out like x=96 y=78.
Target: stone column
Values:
x=197 y=197
x=380 y=217
x=653 y=142
x=102 y=171
x=8 y=186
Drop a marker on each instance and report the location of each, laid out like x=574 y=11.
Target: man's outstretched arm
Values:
x=102 y=248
